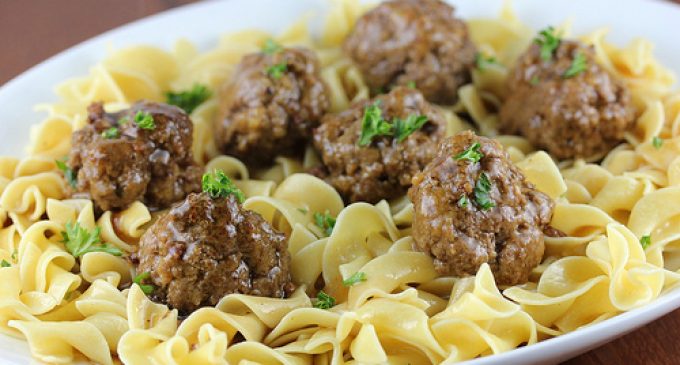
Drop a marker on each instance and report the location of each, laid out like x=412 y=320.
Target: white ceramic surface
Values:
x=204 y=22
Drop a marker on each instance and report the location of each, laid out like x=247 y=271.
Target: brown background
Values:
x=33 y=30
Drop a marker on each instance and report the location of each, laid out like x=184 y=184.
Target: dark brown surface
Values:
x=34 y=30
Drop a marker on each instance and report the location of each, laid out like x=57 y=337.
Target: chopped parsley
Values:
x=374 y=125
x=110 y=133
x=324 y=221
x=4 y=263
x=481 y=190
x=534 y=80
x=219 y=185
x=411 y=84
x=471 y=153
x=404 y=128
x=123 y=120
x=144 y=120
x=139 y=279
x=657 y=142
x=303 y=210
x=463 y=202
x=189 y=100
x=270 y=47
x=79 y=241
x=277 y=70
x=15 y=253
x=548 y=41
x=578 y=65
x=645 y=241
x=324 y=301
x=355 y=279
x=69 y=174
x=482 y=62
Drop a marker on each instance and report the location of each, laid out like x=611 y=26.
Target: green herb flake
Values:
x=189 y=100
x=483 y=62
x=79 y=241
x=144 y=120
x=4 y=263
x=15 y=254
x=277 y=70
x=534 y=80
x=303 y=210
x=645 y=241
x=471 y=153
x=578 y=65
x=324 y=221
x=354 y=279
x=140 y=279
x=110 y=133
x=373 y=125
x=404 y=128
x=481 y=191
x=324 y=301
x=462 y=202
x=219 y=185
x=270 y=47
x=548 y=41
x=123 y=120
x=69 y=174
x=657 y=142
x=411 y=84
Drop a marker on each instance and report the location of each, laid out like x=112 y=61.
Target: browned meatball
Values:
x=384 y=168
x=584 y=116
x=470 y=212
x=420 y=41
x=153 y=165
x=271 y=105
x=205 y=248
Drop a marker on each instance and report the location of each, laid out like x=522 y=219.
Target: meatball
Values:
x=384 y=168
x=205 y=248
x=579 y=116
x=271 y=105
x=118 y=161
x=413 y=41
x=472 y=205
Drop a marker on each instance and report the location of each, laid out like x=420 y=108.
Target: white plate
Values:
x=204 y=22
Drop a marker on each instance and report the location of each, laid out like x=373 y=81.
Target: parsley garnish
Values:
x=146 y=288
x=277 y=70
x=657 y=142
x=4 y=263
x=411 y=84
x=534 y=80
x=190 y=99
x=219 y=185
x=404 y=128
x=645 y=241
x=471 y=153
x=324 y=301
x=354 y=279
x=303 y=210
x=123 y=120
x=69 y=174
x=324 y=221
x=482 y=62
x=144 y=120
x=548 y=40
x=578 y=65
x=463 y=202
x=15 y=253
x=270 y=47
x=373 y=125
x=79 y=241
x=482 y=188
x=110 y=133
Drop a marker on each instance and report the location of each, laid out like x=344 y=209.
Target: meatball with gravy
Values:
x=365 y=164
x=413 y=41
x=565 y=103
x=271 y=105
x=473 y=206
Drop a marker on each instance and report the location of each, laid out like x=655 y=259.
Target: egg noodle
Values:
x=403 y=313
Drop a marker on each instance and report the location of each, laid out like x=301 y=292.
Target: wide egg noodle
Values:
x=403 y=313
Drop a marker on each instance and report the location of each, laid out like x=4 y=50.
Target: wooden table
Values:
x=31 y=31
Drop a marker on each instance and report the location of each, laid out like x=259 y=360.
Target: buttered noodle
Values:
x=404 y=313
